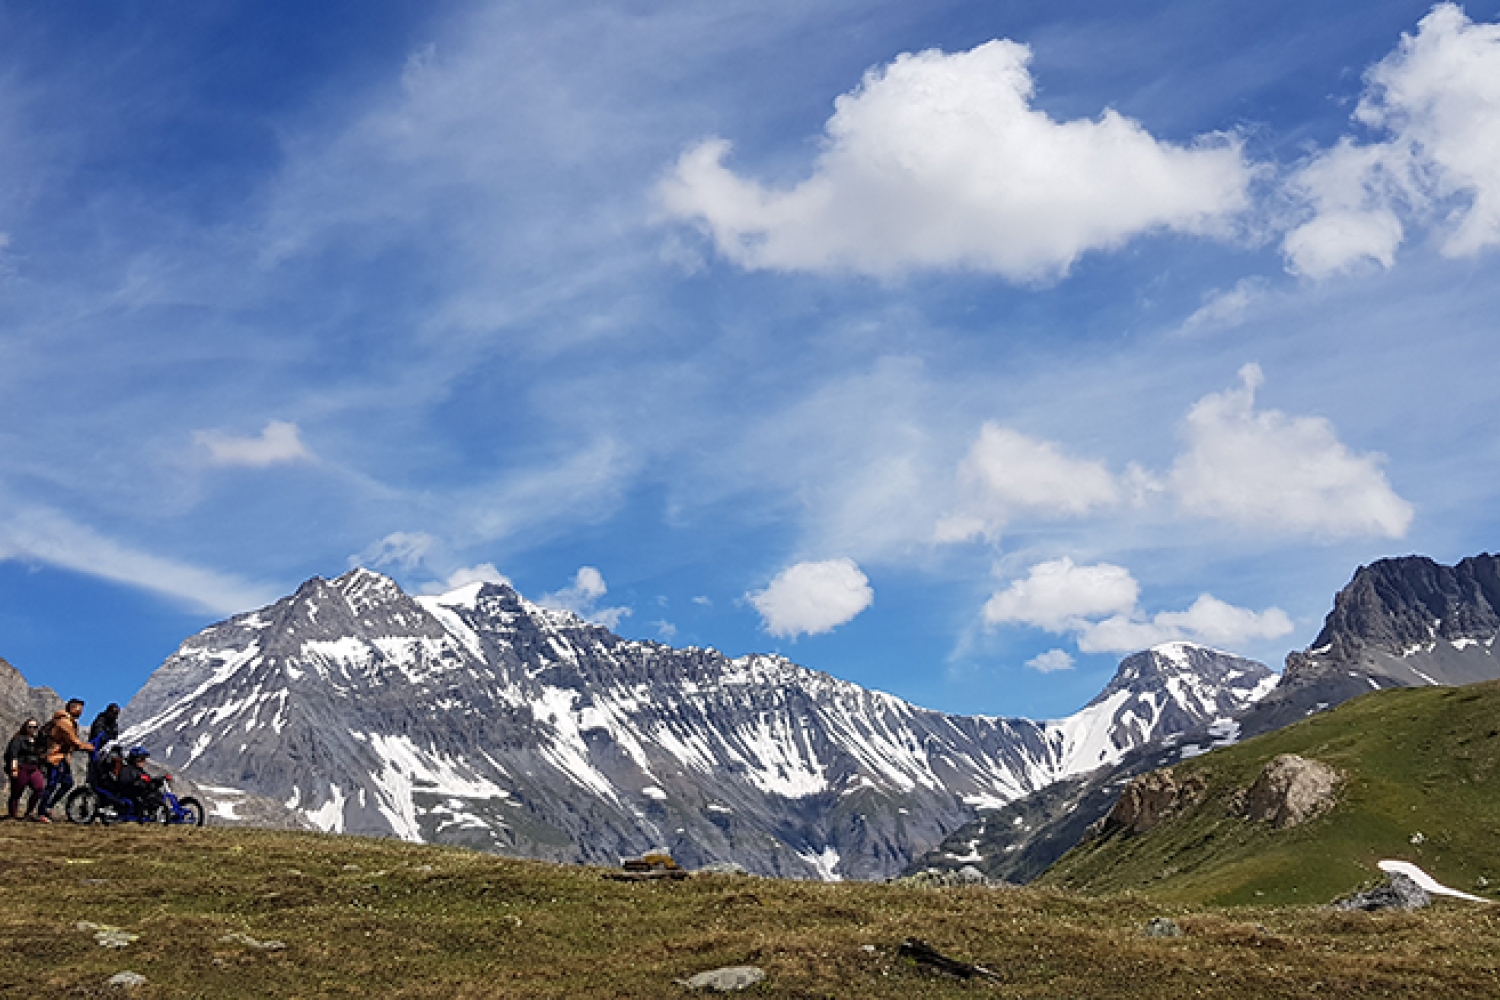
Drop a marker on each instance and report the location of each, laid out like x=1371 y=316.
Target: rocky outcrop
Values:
x=1396 y=892
x=20 y=701
x=1290 y=791
x=1149 y=800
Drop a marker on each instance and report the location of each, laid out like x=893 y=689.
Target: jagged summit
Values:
x=1188 y=668
x=478 y=717
x=1402 y=622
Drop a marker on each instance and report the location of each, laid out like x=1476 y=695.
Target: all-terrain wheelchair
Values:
x=99 y=800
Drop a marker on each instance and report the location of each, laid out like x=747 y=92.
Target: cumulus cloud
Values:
x=279 y=442
x=481 y=573
x=48 y=537
x=813 y=597
x=1059 y=595
x=1265 y=469
x=1006 y=473
x=582 y=598
x=1437 y=101
x=1051 y=661
x=1099 y=606
x=1209 y=621
x=939 y=160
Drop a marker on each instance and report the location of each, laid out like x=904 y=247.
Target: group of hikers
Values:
x=38 y=760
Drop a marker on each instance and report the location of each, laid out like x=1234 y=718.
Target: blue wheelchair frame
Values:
x=96 y=801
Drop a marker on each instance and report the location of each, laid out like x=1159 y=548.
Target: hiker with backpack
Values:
x=23 y=763
x=60 y=736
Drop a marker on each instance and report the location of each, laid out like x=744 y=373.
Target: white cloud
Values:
x=582 y=597
x=938 y=160
x=1285 y=474
x=280 y=441
x=1058 y=595
x=1224 y=310
x=1006 y=473
x=404 y=550
x=481 y=573
x=1437 y=98
x=813 y=597
x=1099 y=606
x=1209 y=621
x=1051 y=661
x=47 y=537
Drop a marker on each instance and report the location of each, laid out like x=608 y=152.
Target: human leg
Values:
x=31 y=778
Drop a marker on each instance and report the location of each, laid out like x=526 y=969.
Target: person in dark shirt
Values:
x=23 y=763
x=106 y=726
x=133 y=782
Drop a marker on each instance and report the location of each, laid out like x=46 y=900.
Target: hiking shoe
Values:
x=43 y=819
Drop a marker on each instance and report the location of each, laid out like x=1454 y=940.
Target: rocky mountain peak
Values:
x=1400 y=622
x=1190 y=674
x=1399 y=603
x=480 y=718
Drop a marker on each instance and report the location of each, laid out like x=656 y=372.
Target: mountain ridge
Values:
x=482 y=719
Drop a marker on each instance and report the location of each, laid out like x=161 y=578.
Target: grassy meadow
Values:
x=381 y=918
x=1421 y=783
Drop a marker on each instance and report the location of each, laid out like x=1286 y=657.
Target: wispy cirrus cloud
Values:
x=46 y=536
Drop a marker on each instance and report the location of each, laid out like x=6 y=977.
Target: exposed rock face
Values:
x=20 y=701
x=1404 y=622
x=1397 y=892
x=478 y=718
x=1150 y=799
x=1291 y=790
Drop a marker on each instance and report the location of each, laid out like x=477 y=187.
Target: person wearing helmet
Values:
x=143 y=791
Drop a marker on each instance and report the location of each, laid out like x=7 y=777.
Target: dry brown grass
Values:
x=374 y=918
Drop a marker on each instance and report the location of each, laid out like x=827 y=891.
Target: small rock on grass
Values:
x=250 y=942
x=726 y=980
x=1162 y=927
x=1397 y=892
x=107 y=936
x=129 y=980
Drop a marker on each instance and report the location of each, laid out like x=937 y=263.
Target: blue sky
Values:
x=956 y=348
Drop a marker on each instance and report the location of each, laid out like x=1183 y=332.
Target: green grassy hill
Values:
x=1422 y=784
x=233 y=913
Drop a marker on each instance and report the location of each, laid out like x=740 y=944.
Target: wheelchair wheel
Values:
x=190 y=812
x=81 y=806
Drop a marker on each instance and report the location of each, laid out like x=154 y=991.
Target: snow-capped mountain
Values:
x=482 y=719
x=1403 y=622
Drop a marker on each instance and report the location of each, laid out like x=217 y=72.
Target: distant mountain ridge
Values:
x=1400 y=622
x=480 y=718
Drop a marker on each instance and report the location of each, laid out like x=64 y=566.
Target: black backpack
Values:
x=42 y=741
